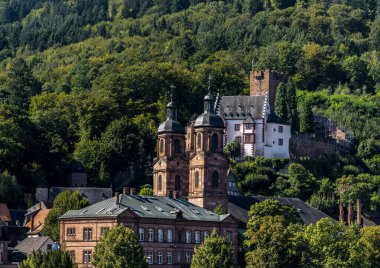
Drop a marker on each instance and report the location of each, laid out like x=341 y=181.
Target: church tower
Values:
x=170 y=167
x=208 y=165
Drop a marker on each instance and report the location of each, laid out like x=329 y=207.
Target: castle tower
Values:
x=263 y=83
x=208 y=165
x=170 y=168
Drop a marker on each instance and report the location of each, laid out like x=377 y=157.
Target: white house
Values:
x=249 y=120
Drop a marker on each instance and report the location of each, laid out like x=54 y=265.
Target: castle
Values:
x=190 y=162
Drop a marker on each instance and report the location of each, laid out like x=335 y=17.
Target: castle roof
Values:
x=241 y=107
x=146 y=207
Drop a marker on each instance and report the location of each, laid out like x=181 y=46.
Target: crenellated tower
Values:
x=170 y=168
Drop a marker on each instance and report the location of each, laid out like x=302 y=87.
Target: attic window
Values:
x=100 y=210
x=84 y=211
x=144 y=208
x=160 y=209
x=196 y=211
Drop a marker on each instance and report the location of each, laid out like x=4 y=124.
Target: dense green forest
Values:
x=87 y=81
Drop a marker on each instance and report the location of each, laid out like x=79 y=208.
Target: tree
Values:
x=220 y=210
x=270 y=208
x=302 y=183
x=64 y=202
x=146 y=190
x=306 y=118
x=277 y=244
x=49 y=259
x=281 y=102
x=119 y=248
x=214 y=252
x=371 y=243
x=10 y=192
x=233 y=149
x=291 y=106
x=22 y=85
x=333 y=244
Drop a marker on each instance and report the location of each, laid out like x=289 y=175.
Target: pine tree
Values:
x=306 y=118
x=214 y=252
x=281 y=102
x=291 y=102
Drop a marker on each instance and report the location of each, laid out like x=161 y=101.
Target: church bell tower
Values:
x=170 y=167
x=208 y=165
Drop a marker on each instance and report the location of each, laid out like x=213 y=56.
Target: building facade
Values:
x=167 y=228
x=250 y=120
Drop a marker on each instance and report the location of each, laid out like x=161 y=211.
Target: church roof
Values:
x=209 y=120
x=146 y=207
x=171 y=126
x=240 y=107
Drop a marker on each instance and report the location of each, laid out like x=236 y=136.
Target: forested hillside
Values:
x=87 y=81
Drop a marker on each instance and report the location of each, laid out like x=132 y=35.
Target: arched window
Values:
x=162 y=145
x=215 y=179
x=214 y=141
x=177 y=146
x=177 y=183
x=199 y=140
x=159 y=182
x=196 y=180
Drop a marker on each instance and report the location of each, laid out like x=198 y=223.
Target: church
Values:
x=190 y=161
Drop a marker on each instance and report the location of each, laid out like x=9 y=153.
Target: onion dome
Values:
x=209 y=118
x=171 y=124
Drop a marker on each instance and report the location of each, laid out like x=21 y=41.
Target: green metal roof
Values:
x=146 y=207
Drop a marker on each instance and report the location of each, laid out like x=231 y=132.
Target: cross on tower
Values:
x=172 y=87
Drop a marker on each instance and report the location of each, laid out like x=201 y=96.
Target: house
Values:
x=35 y=217
x=167 y=227
x=30 y=245
x=93 y=194
x=238 y=206
x=250 y=120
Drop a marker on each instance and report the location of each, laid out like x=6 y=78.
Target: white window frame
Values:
x=197 y=237
x=188 y=257
x=280 y=129
x=160 y=258
x=87 y=234
x=87 y=256
x=160 y=235
x=237 y=127
x=150 y=235
x=150 y=257
x=169 y=257
x=170 y=236
x=280 y=142
x=188 y=236
x=206 y=234
x=141 y=234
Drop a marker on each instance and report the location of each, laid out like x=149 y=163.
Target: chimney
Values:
x=125 y=190
x=40 y=205
x=170 y=194
x=117 y=198
x=341 y=213
x=175 y=194
x=349 y=213
x=358 y=212
x=133 y=191
x=32 y=223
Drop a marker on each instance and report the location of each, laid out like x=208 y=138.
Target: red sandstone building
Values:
x=189 y=181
